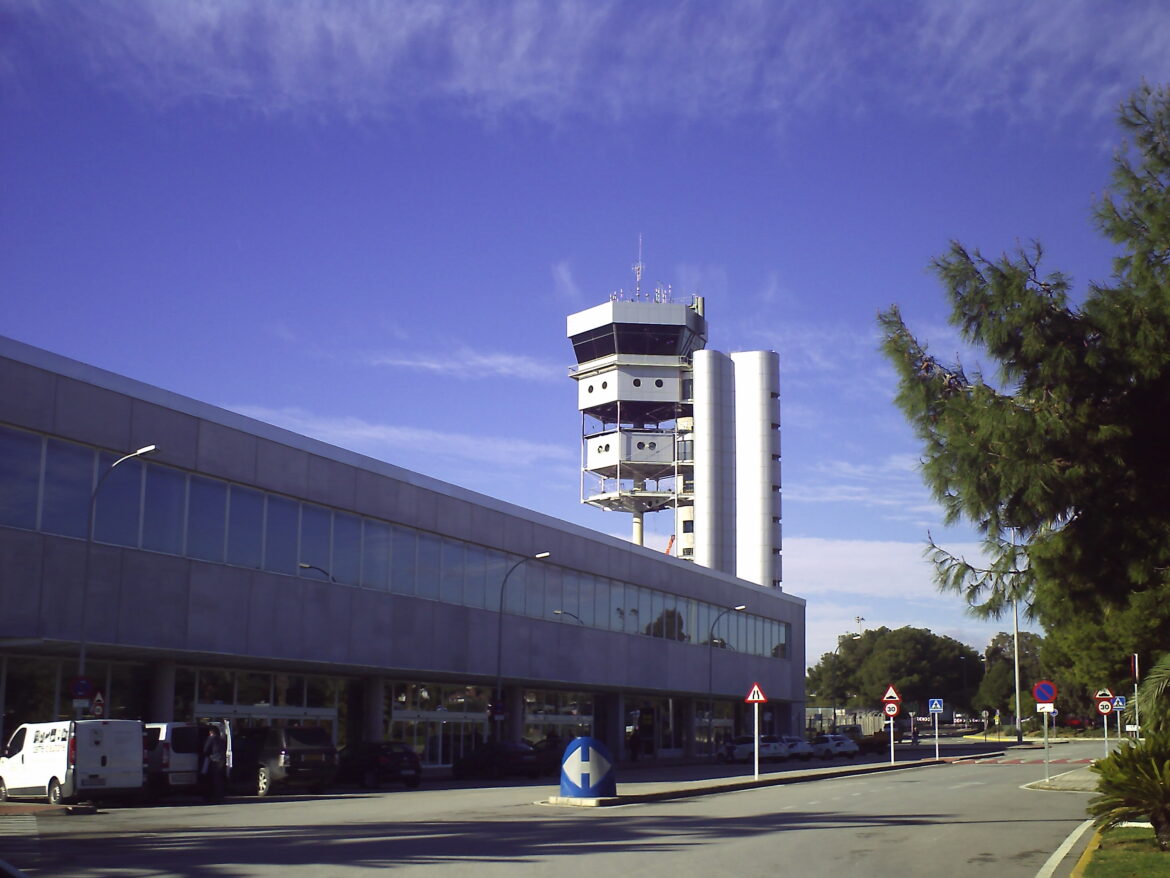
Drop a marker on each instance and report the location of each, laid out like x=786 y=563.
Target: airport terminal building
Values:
x=242 y=570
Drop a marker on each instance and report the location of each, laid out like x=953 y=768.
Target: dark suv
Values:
x=275 y=758
x=375 y=764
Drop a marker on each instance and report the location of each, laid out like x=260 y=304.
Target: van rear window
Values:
x=185 y=739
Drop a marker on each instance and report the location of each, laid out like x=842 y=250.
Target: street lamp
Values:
x=580 y=621
x=841 y=641
x=146 y=449
x=320 y=570
x=500 y=627
x=711 y=675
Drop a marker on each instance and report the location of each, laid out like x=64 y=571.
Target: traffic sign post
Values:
x=755 y=698
x=936 y=707
x=1105 y=707
x=1118 y=708
x=892 y=704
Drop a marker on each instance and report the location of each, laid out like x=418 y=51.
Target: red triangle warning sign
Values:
x=891 y=694
x=756 y=696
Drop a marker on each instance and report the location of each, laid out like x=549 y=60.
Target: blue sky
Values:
x=367 y=221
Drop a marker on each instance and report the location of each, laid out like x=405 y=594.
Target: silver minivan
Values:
x=173 y=754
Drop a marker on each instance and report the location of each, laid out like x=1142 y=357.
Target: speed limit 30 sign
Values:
x=891 y=708
x=1104 y=706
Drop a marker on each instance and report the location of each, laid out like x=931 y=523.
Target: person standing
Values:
x=214 y=764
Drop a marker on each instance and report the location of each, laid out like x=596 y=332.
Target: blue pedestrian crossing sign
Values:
x=587 y=770
x=936 y=705
x=1118 y=702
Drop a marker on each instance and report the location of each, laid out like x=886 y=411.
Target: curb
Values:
x=716 y=788
x=24 y=809
x=1083 y=860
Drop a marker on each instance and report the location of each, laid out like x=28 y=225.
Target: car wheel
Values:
x=263 y=781
x=3 y=791
x=54 y=795
x=414 y=782
x=370 y=779
x=317 y=789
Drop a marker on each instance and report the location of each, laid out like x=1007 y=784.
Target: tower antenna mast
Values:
x=638 y=271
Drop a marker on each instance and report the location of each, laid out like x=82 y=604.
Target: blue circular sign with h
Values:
x=587 y=770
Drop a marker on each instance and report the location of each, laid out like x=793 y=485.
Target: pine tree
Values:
x=1062 y=458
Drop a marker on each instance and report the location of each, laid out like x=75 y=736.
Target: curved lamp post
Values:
x=711 y=675
x=580 y=621
x=500 y=627
x=147 y=449
x=320 y=570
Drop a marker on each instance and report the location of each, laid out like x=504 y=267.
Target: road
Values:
x=948 y=819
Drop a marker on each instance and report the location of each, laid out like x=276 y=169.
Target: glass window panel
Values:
x=451 y=581
x=280 y=535
x=514 y=586
x=320 y=692
x=347 y=548
x=656 y=621
x=428 y=566
x=603 y=614
x=617 y=606
x=582 y=584
x=288 y=690
x=316 y=524
x=475 y=582
x=68 y=483
x=245 y=542
x=689 y=610
x=554 y=598
x=215 y=687
x=645 y=610
x=253 y=688
x=206 y=517
x=375 y=553
x=532 y=577
x=119 y=502
x=404 y=548
x=166 y=504
x=496 y=567
x=20 y=478
x=570 y=591
x=704 y=619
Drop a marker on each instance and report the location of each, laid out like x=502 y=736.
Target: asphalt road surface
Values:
x=950 y=820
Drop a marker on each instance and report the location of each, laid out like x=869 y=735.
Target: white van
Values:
x=71 y=759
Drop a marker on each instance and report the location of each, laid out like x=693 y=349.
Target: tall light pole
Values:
x=500 y=630
x=580 y=621
x=146 y=449
x=1016 y=650
x=711 y=675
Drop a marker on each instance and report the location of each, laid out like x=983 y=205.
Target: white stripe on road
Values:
x=1049 y=867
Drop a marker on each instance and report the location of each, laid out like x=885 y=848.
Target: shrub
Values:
x=1134 y=785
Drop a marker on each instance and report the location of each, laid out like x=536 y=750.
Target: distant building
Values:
x=245 y=571
x=667 y=424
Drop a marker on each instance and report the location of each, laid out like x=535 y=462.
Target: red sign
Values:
x=891 y=708
x=756 y=696
x=1044 y=692
x=891 y=694
x=1104 y=706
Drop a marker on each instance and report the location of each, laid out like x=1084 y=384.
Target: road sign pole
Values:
x=1105 y=724
x=1045 y=745
x=756 y=759
x=936 y=736
x=891 y=740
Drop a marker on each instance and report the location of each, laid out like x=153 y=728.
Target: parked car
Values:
x=173 y=754
x=498 y=758
x=272 y=758
x=377 y=763
x=70 y=759
x=741 y=748
x=549 y=753
x=797 y=748
x=832 y=746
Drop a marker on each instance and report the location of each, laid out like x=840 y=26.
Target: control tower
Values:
x=667 y=424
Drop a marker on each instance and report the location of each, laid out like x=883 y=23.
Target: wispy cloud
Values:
x=564 y=285
x=394 y=442
x=608 y=60
x=472 y=365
